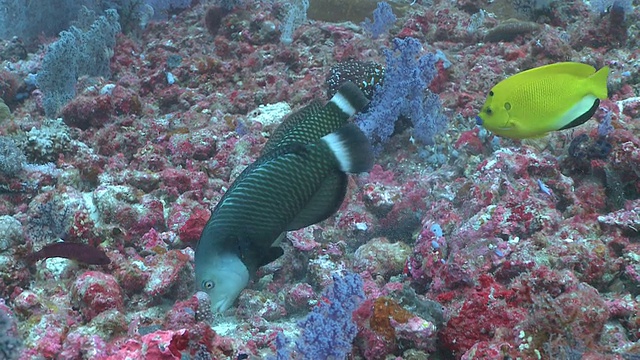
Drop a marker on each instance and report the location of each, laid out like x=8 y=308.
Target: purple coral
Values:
x=328 y=331
x=383 y=20
x=404 y=92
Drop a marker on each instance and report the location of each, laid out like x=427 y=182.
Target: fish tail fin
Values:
x=351 y=148
x=599 y=83
x=349 y=99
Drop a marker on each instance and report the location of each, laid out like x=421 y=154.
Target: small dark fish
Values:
x=75 y=251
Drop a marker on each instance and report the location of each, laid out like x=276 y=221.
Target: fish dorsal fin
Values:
x=308 y=125
x=543 y=73
x=274 y=154
x=289 y=123
x=324 y=202
x=570 y=68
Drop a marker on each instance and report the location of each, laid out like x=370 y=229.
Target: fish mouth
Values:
x=478 y=120
x=221 y=305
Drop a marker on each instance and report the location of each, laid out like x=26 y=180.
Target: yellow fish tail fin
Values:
x=599 y=83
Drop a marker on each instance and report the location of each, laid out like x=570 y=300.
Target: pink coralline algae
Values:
x=46 y=339
x=187 y=334
x=418 y=332
x=304 y=239
x=260 y=306
x=78 y=345
x=380 y=257
x=171 y=274
x=492 y=313
x=163 y=345
x=27 y=303
x=299 y=298
x=94 y=292
x=625 y=219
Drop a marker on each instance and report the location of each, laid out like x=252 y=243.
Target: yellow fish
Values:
x=547 y=98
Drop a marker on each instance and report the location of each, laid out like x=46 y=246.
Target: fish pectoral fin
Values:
x=244 y=246
x=279 y=239
x=323 y=203
x=269 y=255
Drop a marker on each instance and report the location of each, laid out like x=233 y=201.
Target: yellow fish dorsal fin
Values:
x=570 y=68
x=597 y=81
x=579 y=71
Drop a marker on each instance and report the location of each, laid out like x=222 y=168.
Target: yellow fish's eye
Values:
x=488 y=111
x=490 y=93
x=507 y=106
x=208 y=285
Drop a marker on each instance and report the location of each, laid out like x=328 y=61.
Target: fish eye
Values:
x=507 y=106
x=208 y=285
x=488 y=111
x=490 y=93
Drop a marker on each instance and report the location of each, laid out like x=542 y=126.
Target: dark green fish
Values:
x=300 y=179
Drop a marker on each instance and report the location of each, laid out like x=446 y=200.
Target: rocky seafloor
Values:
x=474 y=247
